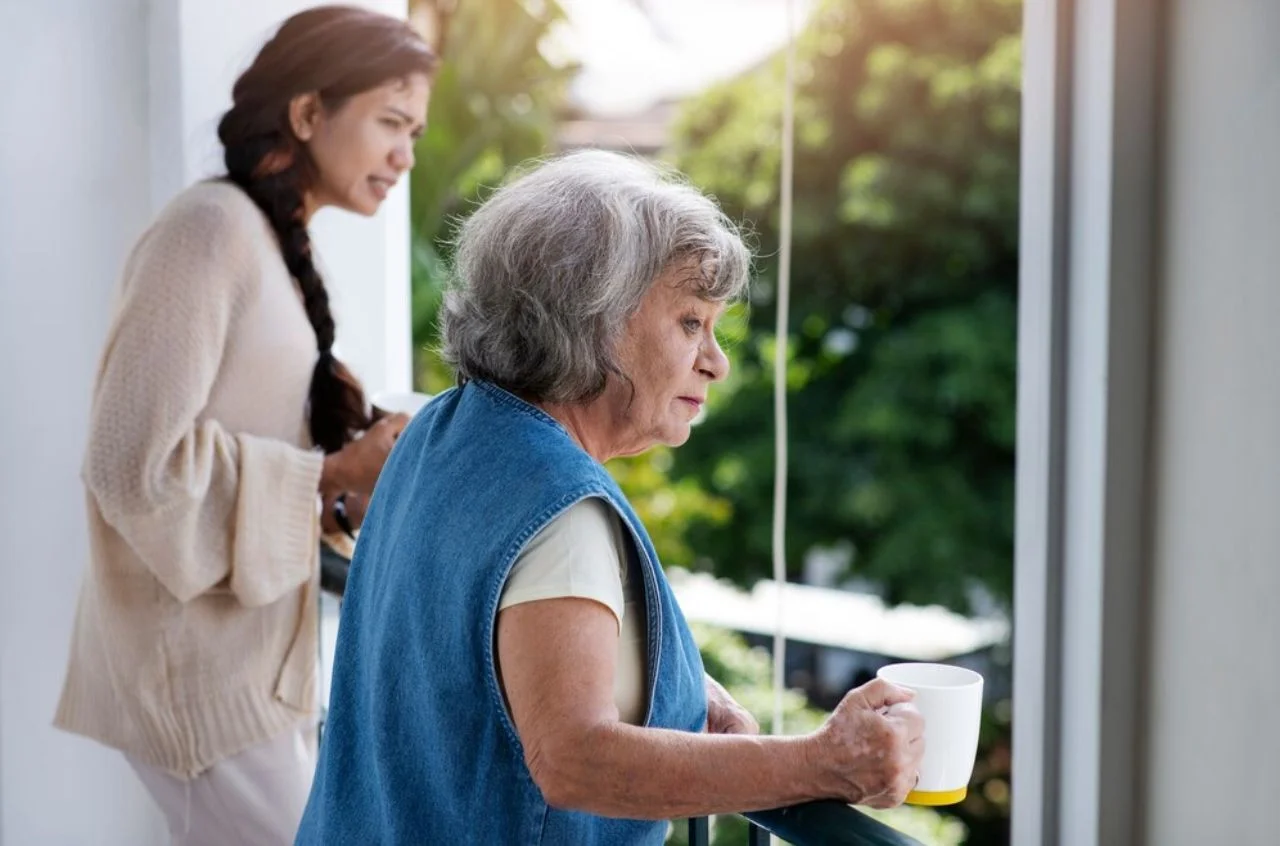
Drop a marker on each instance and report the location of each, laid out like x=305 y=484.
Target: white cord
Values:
x=780 y=373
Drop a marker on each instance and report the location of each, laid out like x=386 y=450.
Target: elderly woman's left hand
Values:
x=725 y=715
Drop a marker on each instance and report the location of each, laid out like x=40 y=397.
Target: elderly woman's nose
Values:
x=714 y=364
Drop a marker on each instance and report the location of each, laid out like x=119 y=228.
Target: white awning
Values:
x=836 y=618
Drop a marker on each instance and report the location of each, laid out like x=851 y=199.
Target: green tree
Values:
x=494 y=104
x=901 y=343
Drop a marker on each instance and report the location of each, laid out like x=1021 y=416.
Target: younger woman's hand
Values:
x=356 y=466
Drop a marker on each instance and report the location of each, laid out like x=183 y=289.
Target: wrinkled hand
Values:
x=725 y=715
x=871 y=746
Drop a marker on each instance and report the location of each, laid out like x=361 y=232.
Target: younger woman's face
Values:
x=363 y=147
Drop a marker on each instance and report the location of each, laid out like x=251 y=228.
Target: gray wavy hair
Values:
x=548 y=270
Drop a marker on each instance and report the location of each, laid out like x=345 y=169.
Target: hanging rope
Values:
x=780 y=372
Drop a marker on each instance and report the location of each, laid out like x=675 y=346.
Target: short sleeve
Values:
x=575 y=555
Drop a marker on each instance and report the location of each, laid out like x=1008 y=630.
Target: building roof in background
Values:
x=645 y=133
x=836 y=618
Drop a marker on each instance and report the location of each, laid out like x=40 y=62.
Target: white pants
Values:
x=255 y=798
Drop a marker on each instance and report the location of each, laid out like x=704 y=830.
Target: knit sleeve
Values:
x=201 y=506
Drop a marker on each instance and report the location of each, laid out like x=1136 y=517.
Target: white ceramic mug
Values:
x=404 y=402
x=950 y=700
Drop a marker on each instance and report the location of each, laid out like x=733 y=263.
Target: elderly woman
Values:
x=512 y=665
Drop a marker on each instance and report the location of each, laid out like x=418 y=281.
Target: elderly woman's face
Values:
x=670 y=353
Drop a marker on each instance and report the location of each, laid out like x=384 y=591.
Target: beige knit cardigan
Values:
x=196 y=630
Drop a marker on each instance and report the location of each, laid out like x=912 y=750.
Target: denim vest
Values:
x=419 y=747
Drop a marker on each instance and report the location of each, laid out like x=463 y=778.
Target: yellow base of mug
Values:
x=937 y=797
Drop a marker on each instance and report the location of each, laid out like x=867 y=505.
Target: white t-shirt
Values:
x=586 y=553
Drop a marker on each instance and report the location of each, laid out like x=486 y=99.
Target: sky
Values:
x=631 y=60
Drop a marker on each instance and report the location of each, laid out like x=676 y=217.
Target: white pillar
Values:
x=109 y=109
x=1089 y=142
x=73 y=164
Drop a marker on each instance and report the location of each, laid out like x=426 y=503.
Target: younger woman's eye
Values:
x=391 y=122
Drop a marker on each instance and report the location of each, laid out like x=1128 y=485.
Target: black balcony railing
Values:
x=827 y=823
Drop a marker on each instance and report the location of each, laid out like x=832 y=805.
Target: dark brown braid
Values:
x=337 y=52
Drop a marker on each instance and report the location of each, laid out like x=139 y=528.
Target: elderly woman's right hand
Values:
x=356 y=466
x=871 y=745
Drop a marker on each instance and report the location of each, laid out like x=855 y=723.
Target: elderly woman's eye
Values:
x=692 y=325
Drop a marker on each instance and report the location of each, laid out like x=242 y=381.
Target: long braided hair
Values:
x=337 y=52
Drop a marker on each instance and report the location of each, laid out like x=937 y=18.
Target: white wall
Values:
x=1214 y=687
x=73 y=163
x=109 y=108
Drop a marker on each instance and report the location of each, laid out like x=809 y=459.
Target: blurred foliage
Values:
x=495 y=103
x=667 y=507
x=901 y=342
